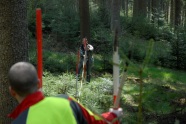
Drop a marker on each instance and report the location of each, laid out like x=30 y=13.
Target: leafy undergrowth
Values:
x=163 y=102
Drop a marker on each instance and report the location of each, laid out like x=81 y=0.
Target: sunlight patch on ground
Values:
x=130 y=100
x=167 y=76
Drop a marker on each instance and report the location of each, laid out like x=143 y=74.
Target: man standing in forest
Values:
x=34 y=108
x=85 y=47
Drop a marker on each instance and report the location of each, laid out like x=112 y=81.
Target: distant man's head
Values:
x=23 y=78
x=85 y=41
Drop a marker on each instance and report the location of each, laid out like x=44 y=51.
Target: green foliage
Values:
x=61 y=32
x=178 y=52
x=163 y=88
x=101 y=64
x=133 y=47
x=139 y=27
x=161 y=54
x=97 y=95
x=161 y=91
x=60 y=21
x=65 y=23
x=54 y=84
x=169 y=47
x=55 y=62
x=161 y=95
x=100 y=95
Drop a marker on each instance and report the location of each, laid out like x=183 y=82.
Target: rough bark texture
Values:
x=13 y=48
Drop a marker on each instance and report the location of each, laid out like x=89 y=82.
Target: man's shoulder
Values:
x=58 y=97
x=62 y=96
x=21 y=119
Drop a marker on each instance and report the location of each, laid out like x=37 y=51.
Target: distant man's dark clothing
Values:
x=89 y=60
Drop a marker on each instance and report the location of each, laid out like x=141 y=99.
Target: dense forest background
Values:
x=152 y=44
x=163 y=21
x=155 y=27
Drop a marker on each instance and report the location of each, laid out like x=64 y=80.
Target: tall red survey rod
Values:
x=39 y=45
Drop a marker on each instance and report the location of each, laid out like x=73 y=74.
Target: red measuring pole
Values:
x=39 y=45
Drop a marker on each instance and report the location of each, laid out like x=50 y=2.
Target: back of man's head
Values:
x=23 y=78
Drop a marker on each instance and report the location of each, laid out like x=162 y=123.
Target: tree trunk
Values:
x=13 y=48
x=172 y=13
x=84 y=19
x=184 y=16
x=123 y=5
x=177 y=13
x=127 y=7
x=140 y=8
x=168 y=12
x=135 y=8
x=115 y=14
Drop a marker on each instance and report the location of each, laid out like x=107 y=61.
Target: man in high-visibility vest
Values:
x=35 y=108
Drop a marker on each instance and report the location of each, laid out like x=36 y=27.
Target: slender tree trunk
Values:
x=139 y=9
x=177 y=18
x=115 y=13
x=184 y=16
x=85 y=27
x=77 y=5
x=142 y=8
x=13 y=48
x=149 y=10
x=84 y=19
x=168 y=11
x=135 y=8
x=172 y=13
x=123 y=5
x=177 y=13
x=127 y=7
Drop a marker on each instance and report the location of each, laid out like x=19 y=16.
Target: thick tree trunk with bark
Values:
x=13 y=48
